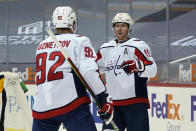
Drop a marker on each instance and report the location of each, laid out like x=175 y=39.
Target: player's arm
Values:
x=145 y=56
x=143 y=63
x=88 y=68
x=150 y=69
x=100 y=63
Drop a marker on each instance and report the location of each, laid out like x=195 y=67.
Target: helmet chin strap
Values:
x=74 y=29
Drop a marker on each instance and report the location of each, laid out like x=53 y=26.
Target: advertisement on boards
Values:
x=172 y=108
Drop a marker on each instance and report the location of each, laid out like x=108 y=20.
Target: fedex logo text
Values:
x=167 y=109
x=28 y=74
x=187 y=74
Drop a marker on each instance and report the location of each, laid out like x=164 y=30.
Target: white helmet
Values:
x=124 y=18
x=64 y=17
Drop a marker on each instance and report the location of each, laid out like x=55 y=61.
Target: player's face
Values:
x=121 y=30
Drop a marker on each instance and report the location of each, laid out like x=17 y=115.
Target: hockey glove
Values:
x=106 y=111
x=132 y=66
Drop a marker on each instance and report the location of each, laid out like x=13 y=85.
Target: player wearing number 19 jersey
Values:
x=127 y=64
x=61 y=96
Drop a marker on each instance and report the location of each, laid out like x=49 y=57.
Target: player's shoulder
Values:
x=111 y=43
x=138 y=43
x=80 y=37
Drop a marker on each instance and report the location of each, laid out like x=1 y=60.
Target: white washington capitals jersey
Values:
x=126 y=89
x=59 y=88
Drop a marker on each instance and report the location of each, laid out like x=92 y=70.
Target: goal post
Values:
x=17 y=115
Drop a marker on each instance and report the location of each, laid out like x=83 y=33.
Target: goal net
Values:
x=17 y=115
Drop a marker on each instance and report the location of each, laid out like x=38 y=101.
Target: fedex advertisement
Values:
x=165 y=109
x=172 y=108
x=187 y=72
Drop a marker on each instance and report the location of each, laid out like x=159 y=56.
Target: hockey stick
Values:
x=78 y=73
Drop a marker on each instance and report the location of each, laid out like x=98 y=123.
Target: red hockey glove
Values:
x=132 y=66
x=106 y=112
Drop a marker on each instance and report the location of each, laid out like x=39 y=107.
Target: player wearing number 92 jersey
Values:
x=61 y=97
x=55 y=78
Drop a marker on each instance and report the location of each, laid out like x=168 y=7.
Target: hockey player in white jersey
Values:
x=61 y=96
x=125 y=64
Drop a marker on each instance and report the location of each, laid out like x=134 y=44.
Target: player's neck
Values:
x=122 y=40
x=64 y=31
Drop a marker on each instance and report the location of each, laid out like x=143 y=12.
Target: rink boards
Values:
x=172 y=108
